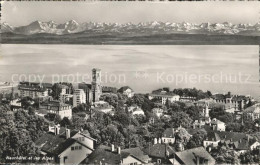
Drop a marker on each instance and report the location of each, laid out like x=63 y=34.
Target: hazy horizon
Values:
x=124 y=12
x=140 y=65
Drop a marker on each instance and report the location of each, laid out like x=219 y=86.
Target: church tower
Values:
x=207 y=109
x=96 y=84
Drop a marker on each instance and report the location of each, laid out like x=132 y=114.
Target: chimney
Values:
x=112 y=148
x=240 y=140
x=197 y=160
x=248 y=138
x=167 y=153
x=51 y=129
x=209 y=148
x=155 y=140
x=57 y=129
x=119 y=150
x=67 y=133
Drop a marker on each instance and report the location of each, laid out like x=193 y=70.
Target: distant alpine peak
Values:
x=73 y=26
x=72 y=22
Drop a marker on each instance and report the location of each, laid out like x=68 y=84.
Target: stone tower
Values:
x=207 y=109
x=96 y=84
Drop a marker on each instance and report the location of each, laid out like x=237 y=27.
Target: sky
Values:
x=144 y=68
x=18 y=13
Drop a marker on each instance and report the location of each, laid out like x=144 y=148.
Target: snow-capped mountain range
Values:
x=154 y=27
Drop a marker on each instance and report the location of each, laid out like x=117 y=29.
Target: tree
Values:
x=209 y=93
x=227 y=117
x=56 y=91
x=182 y=136
x=111 y=135
x=167 y=89
x=193 y=112
x=249 y=104
x=111 y=98
x=250 y=157
x=181 y=119
x=53 y=117
x=65 y=122
x=225 y=156
x=156 y=128
x=197 y=139
x=26 y=102
x=18 y=132
x=235 y=127
x=248 y=125
x=140 y=118
x=81 y=108
x=122 y=118
x=31 y=111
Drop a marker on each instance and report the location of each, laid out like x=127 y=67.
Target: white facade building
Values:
x=163 y=96
x=158 y=112
x=135 y=110
x=218 y=125
x=168 y=136
x=103 y=106
x=79 y=97
x=65 y=145
x=57 y=107
x=33 y=90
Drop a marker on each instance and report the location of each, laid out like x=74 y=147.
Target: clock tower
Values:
x=96 y=84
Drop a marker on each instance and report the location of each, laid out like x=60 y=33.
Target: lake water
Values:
x=144 y=68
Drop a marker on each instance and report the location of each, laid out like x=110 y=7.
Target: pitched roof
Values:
x=109 y=89
x=168 y=133
x=162 y=94
x=159 y=150
x=55 y=103
x=213 y=136
x=188 y=157
x=47 y=85
x=32 y=87
x=253 y=109
x=233 y=97
x=50 y=142
x=137 y=152
x=105 y=155
x=63 y=146
x=235 y=136
x=219 y=96
x=241 y=141
x=55 y=144
x=238 y=98
x=216 y=121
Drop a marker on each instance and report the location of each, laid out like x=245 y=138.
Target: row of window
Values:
x=133 y=163
x=76 y=148
x=80 y=139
